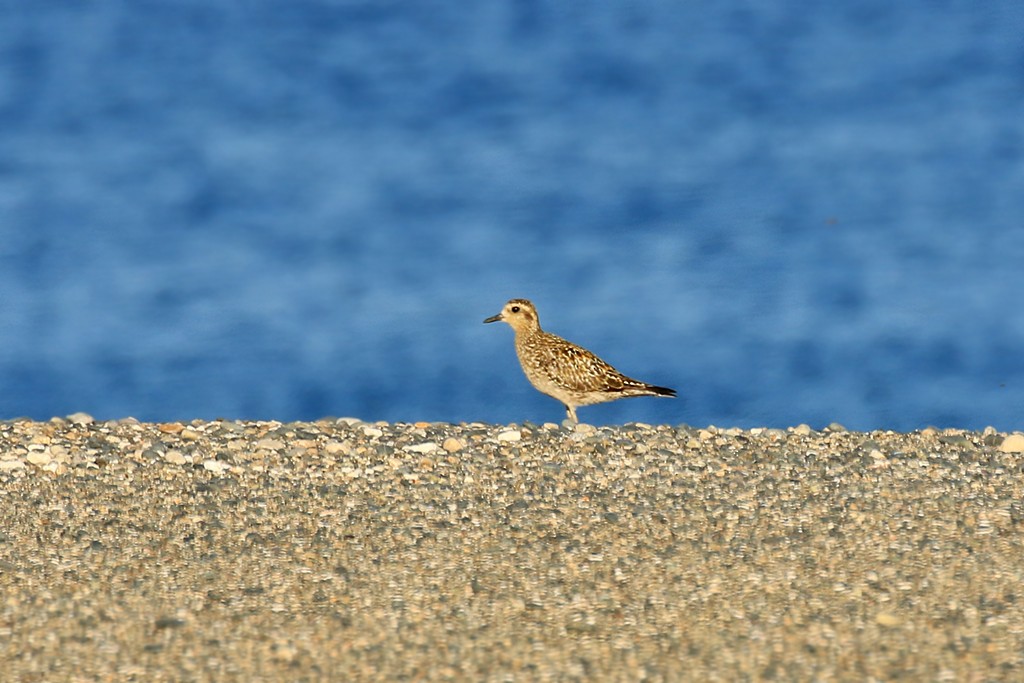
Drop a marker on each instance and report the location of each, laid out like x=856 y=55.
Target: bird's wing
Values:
x=576 y=369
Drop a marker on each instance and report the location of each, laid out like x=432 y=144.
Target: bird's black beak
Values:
x=493 y=318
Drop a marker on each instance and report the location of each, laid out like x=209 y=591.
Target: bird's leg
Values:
x=571 y=413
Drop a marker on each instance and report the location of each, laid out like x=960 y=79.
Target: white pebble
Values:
x=218 y=466
x=426 y=447
x=270 y=444
x=1014 y=443
x=39 y=458
x=175 y=457
x=11 y=465
x=510 y=435
x=372 y=432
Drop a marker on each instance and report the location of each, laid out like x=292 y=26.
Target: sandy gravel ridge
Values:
x=343 y=550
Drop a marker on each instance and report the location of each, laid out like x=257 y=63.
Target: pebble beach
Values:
x=346 y=550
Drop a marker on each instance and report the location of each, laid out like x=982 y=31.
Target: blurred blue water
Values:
x=789 y=212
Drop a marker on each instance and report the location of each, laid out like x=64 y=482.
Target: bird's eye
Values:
x=515 y=309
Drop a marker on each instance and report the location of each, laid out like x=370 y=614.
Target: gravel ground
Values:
x=343 y=550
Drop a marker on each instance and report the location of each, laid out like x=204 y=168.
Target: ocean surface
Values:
x=790 y=212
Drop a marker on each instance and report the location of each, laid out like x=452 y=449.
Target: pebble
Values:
x=1014 y=443
x=510 y=435
x=426 y=447
x=39 y=458
x=175 y=457
x=888 y=619
x=452 y=445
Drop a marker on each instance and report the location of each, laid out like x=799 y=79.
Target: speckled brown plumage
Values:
x=563 y=370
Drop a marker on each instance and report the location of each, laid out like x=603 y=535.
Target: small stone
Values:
x=992 y=440
x=803 y=430
x=189 y=434
x=426 y=447
x=335 y=447
x=510 y=435
x=7 y=465
x=582 y=428
x=372 y=432
x=1014 y=443
x=175 y=457
x=169 y=622
x=216 y=466
x=887 y=619
x=80 y=418
x=269 y=444
x=170 y=427
x=39 y=458
x=452 y=445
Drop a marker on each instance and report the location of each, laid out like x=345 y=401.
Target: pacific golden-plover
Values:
x=564 y=371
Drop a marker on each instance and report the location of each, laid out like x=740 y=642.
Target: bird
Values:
x=564 y=371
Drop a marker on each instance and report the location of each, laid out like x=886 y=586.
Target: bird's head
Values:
x=520 y=314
